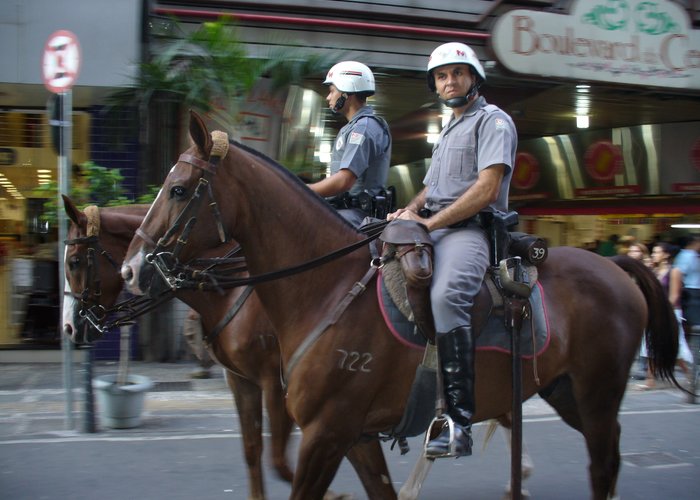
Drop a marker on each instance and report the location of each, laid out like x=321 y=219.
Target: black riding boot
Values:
x=456 y=350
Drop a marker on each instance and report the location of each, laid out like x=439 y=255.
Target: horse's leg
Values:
x=248 y=398
x=280 y=424
x=598 y=410
x=367 y=457
x=603 y=442
x=559 y=394
x=411 y=488
x=320 y=452
x=527 y=465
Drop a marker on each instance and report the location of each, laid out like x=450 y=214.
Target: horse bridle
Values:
x=166 y=263
x=90 y=308
x=90 y=296
x=179 y=276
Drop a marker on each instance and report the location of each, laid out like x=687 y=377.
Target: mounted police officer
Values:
x=361 y=153
x=467 y=182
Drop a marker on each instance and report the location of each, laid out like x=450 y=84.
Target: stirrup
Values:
x=434 y=429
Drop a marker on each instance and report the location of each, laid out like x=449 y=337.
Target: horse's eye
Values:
x=74 y=263
x=177 y=192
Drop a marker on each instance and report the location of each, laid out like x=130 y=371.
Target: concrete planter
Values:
x=120 y=407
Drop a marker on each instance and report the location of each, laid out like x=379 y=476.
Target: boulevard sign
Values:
x=636 y=42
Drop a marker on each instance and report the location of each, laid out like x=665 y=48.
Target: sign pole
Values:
x=60 y=64
x=64 y=174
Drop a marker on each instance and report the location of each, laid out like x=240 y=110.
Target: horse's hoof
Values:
x=523 y=493
x=201 y=373
x=284 y=473
x=330 y=495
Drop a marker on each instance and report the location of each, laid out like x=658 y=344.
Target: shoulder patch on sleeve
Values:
x=356 y=138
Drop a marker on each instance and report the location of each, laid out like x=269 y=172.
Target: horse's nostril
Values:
x=127 y=273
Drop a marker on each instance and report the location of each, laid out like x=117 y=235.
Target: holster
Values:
x=409 y=243
x=497 y=226
x=377 y=206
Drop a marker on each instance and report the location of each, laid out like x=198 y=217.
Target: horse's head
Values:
x=183 y=221
x=92 y=279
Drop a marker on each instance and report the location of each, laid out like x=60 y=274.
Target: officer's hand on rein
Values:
x=399 y=214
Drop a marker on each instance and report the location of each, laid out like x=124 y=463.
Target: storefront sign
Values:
x=637 y=42
x=686 y=187
x=605 y=191
x=695 y=154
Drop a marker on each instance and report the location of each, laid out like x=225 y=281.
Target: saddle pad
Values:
x=494 y=336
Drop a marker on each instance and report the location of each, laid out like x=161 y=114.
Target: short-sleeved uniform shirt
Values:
x=688 y=261
x=484 y=135
x=363 y=146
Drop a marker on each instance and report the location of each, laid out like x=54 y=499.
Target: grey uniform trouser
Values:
x=461 y=258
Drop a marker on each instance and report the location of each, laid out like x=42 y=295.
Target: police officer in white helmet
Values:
x=361 y=154
x=468 y=180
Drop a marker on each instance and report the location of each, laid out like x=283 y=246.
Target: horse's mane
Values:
x=295 y=181
x=134 y=207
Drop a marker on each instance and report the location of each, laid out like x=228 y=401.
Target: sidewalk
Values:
x=165 y=376
x=33 y=400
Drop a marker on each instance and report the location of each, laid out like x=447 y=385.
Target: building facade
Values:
x=605 y=96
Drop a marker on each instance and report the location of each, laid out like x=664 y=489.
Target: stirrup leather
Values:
x=434 y=430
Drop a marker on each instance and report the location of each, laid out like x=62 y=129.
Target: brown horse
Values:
x=352 y=382
x=246 y=346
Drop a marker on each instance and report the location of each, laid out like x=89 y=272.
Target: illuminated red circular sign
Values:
x=603 y=160
x=60 y=62
x=527 y=171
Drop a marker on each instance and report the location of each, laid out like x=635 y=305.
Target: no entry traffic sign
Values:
x=61 y=61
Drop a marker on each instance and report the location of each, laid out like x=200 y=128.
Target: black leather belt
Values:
x=482 y=219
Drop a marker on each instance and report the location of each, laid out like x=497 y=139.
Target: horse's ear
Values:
x=199 y=133
x=78 y=217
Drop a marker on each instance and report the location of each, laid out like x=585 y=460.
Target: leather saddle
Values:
x=407 y=251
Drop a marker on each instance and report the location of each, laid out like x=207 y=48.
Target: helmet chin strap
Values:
x=458 y=102
x=340 y=103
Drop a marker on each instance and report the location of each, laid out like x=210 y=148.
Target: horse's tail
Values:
x=662 y=326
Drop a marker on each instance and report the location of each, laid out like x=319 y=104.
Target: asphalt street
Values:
x=189 y=446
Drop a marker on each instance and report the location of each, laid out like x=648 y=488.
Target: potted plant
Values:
x=120 y=396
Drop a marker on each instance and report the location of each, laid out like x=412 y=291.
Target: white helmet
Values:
x=351 y=77
x=453 y=53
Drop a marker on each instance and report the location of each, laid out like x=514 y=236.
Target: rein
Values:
x=224 y=282
x=332 y=318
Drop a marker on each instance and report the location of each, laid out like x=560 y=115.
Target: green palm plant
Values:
x=210 y=70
